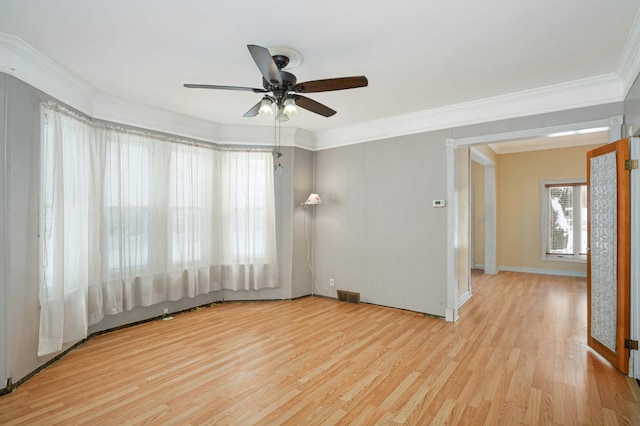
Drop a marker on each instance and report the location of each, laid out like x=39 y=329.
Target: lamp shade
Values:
x=313 y=199
x=265 y=106
x=290 y=106
x=282 y=116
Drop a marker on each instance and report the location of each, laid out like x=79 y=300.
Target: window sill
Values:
x=564 y=258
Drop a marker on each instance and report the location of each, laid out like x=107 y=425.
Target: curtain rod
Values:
x=50 y=105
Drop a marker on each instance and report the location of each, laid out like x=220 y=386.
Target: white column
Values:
x=451 y=311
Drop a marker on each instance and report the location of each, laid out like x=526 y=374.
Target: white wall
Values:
x=377 y=232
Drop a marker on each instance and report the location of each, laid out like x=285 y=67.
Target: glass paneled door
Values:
x=608 y=254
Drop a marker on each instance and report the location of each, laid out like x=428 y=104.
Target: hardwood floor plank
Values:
x=518 y=355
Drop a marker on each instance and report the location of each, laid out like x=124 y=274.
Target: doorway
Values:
x=539 y=136
x=483 y=236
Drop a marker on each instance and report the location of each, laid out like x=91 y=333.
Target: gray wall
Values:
x=4 y=292
x=20 y=205
x=632 y=109
x=377 y=232
x=21 y=208
x=302 y=243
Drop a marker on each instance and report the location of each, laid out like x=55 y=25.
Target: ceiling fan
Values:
x=284 y=89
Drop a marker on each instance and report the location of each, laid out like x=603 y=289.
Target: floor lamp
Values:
x=312 y=200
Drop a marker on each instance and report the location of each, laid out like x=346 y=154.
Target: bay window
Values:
x=130 y=219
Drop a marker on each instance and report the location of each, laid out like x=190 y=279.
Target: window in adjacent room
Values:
x=564 y=220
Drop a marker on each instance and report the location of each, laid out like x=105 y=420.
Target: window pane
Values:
x=583 y=220
x=128 y=209
x=128 y=237
x=186 y=185
x=560 y=220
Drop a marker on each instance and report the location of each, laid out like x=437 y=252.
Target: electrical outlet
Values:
x=332 y=282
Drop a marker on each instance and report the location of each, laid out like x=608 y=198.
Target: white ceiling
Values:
x=418 y=55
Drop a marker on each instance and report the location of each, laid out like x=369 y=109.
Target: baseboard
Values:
x=559 y=272
x=451 y=315
x=8 y=387
x=464 y=298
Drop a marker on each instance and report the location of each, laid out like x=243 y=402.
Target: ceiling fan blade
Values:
x=253 y=111
x=212 y=86
x=265 y=63
x=313 y=106
x=331 y=84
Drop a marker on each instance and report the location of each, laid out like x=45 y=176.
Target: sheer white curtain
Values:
x=131 y=219
x=248 y=222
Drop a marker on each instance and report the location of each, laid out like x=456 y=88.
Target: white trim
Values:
x=26 y=63
x=21 y=60
x=533 y=133
x=616 y=128
x=575 y=94
x=451 y=315
x=539 y=271
x=122 y=111
x=452 y=235
x=464 y=298
x=112 y=108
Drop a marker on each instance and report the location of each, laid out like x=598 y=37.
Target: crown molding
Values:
x=26 y=63
x=576 y=94
x=123 y=111
x=628 y=66
x=23 y=61
x=263 y=135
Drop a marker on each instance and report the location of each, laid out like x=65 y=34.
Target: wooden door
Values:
x=608 y=231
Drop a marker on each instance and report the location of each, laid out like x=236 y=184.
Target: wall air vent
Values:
x=348 y=296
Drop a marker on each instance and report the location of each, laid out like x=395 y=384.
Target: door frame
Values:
x=615 y=132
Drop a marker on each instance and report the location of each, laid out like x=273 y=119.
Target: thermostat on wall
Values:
x=439 y=203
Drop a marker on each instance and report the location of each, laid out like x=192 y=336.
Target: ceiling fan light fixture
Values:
x=290 y=106
x=266 y=106
x=284 y=86
x=282 y=117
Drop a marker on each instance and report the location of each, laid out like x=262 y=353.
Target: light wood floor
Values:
x=517 y=356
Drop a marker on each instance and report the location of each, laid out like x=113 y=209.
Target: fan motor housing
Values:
x=288 y=81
